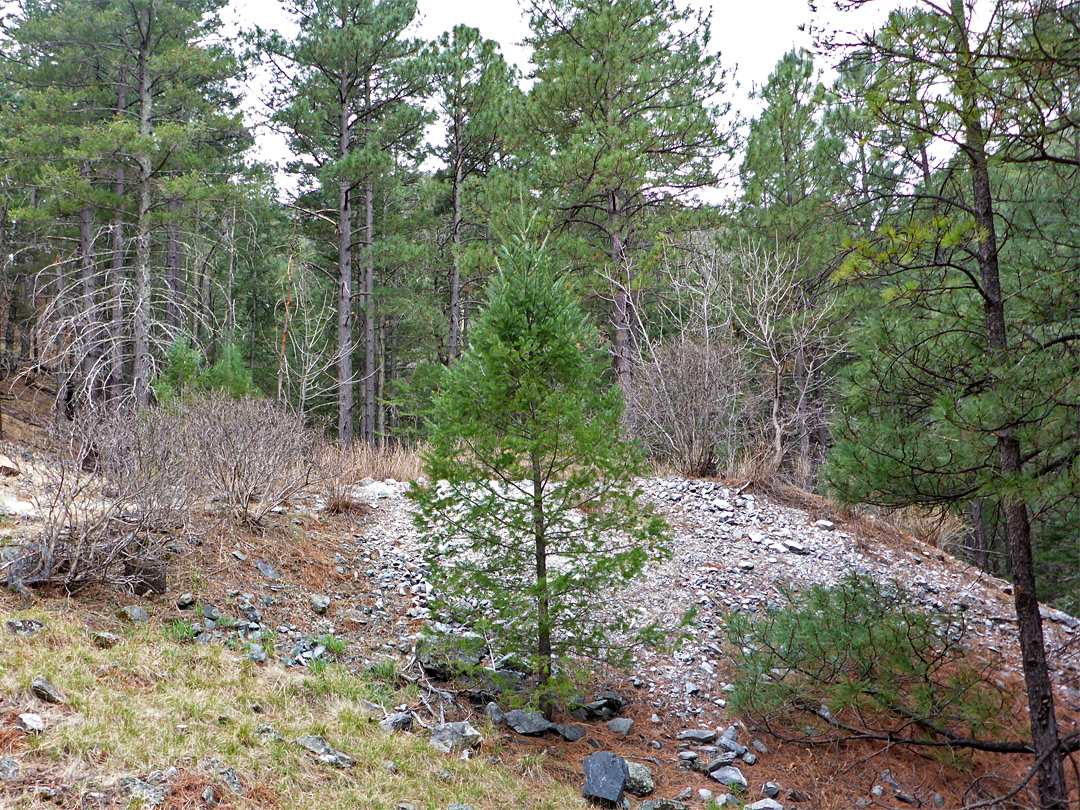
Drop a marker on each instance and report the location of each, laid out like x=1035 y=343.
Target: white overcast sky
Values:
x=751 y=36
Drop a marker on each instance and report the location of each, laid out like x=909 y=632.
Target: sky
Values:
x=751 y=36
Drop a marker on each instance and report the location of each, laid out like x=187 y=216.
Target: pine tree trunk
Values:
x=115 y=285
x=369 y=315
x=454 y=349
x=173 y=294
x=345 y=381
x=90 y=349
x=1053 y=793
x=622 y=308
x=543 y=616
x=141 y=319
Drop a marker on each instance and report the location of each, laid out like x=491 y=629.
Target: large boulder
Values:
x=531 y=724
x=453 y=738
x=605 y=778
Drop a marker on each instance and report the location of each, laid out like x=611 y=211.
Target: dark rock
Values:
x=722 y=761
x=24 y=627
x=570 y=733
x=698 y=735
x=770 y=790
x=453 y=738
x=44 y=690
x=445 y=657
x=732 y=746
x=605 y=777
x=186 y=601
x=105 y=641
x=620 y=725
x=146 y=576
x=604 y=705
x=403 y=721
x=640 y=780
x=211 y=613
x=797 y=796
x=324 y=753
x=528 y=723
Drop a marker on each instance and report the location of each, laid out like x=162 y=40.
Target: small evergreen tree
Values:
x=532 y=510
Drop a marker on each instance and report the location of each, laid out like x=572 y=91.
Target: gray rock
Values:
x=605 y=777
x=770 y=790
x=44 y=690
x=688 y=756
x=766 y=804
x=186 y=602
x=402 y=721
x=759 y=746
x=324 y=753
x=732 y=746
x=494 y=713
x=24 y=627
x=458 y=807
x=620 y=725
x=445 y=657
x=9 y=769
x=604 y=705
x=267 y=570
x=231 y=779
x=453 y=738
x=825 y=525
x=105 y=641
x=721 y=761
x=729 y=777
x=698 y=735
x=140 y=791
x=146 y=576
x=570 y=733
x=135 y=615
x=209 y=796
x=640 y=780
x=749 y=758
x=528 y=723
x=267 y=733
x=32 y=723
x=319 y=602
x=704 y=795
x=663 y=804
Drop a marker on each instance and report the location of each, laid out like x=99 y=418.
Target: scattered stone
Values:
x=688 y=756
x=494 y=713
x=24 y=627
x=605 y=777
x=729 y=777
x=766 y=804
x=825 y=525
x=267 y=570
x=704 y=795
x=458 y=807
x=105 y=641
x=267 y=733
x=186 y=601
x=324 y=753
x=231 y=779
x=8 y=468
x=798 y=796
x=749 y=758
x=528 y=723
x=44 y=690
x=9 y=769
x=402 y=721
x=759 y=746
x=453 y=738
x=795 y=547
x=602 y=706
x=135 y=615
x=663 y=804
x=746 y=565
x=770 y=790
x=209 y=796
x=702 y=736
x=140 y=791
x=445 y=657
x=319 y=603
x=239 y=556
x=570 y=733
x=620 y=726
x=31 y=723
x=639 y=782
x=721 y=761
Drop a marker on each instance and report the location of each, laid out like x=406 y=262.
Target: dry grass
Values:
x=340 y=471
x=939 y=528
x=152 y=702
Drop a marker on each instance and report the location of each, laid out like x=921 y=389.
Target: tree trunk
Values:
x=115 y=286
x=1053 y=793
x=454 y=349
x=622 y=309
x=344 y=304
x=543 y=617
x=173 y=283
x=90 y=349
x=369 y=314
x=141 y=320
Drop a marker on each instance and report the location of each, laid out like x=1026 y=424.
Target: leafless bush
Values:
x=110 y=486
x=250 y=454
x=691 y=404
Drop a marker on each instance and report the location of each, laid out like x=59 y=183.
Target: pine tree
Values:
x=532 y=508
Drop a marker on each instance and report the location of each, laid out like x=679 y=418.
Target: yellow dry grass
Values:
x=152 y=702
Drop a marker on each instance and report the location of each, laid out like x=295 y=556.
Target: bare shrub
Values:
x=252 y=455
x=691 y=405
x=114 y=481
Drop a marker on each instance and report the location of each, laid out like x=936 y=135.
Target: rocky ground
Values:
x=353 y=590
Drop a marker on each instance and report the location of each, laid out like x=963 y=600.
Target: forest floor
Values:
x=154 y=714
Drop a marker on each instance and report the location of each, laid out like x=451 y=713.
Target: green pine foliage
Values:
x=532 y=513
x=860 y=657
